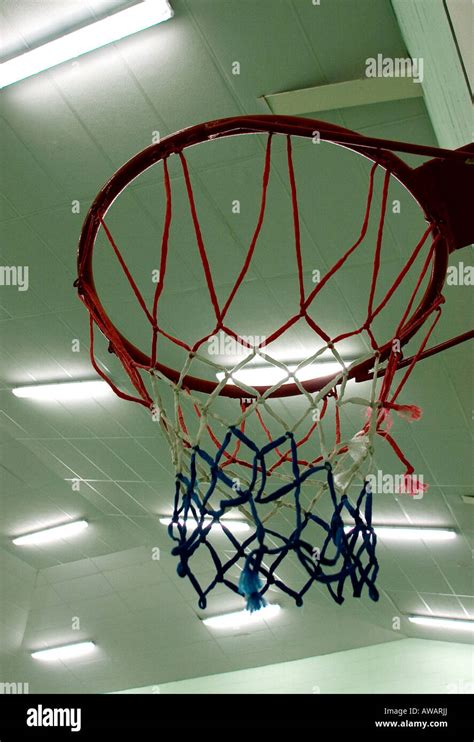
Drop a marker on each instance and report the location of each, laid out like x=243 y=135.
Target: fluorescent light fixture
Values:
x=270 y=375
x=458 y=624
x=242 y=618
x=117 y=26
x=68 y=391
x=402 y=533
x=55 y=533
x=66 y=652
x=397 y=533
x=234 y=526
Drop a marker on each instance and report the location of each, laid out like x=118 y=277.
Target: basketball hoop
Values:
x=221 y=463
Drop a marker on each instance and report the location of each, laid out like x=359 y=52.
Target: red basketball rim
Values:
x=369 y=147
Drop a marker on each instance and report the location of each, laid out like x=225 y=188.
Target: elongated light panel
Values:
x=234 y=526
x=409 y=533
x=68 y=391
x=269 y=375
x=435 y=622
x=66 y=652
x=242 y=618
x=400 y=533
x=117 y=26
x=47 y=535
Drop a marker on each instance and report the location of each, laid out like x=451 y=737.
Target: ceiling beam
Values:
x=427 y=32
x=342 y=95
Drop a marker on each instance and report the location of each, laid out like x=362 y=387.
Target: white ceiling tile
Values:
x=69 y=571
x=83 y=587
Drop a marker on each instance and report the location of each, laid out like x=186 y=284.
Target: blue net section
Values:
x=330 y=552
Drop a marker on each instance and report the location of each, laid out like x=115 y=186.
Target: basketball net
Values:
x=278 y=475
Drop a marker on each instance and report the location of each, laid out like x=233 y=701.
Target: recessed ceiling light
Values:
x=116 y=26
x=66 y=652
x=235 y=526
x=270 y=375
x=68 y=391
x=242 y=618
x=55 y=533
x=458 y=624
